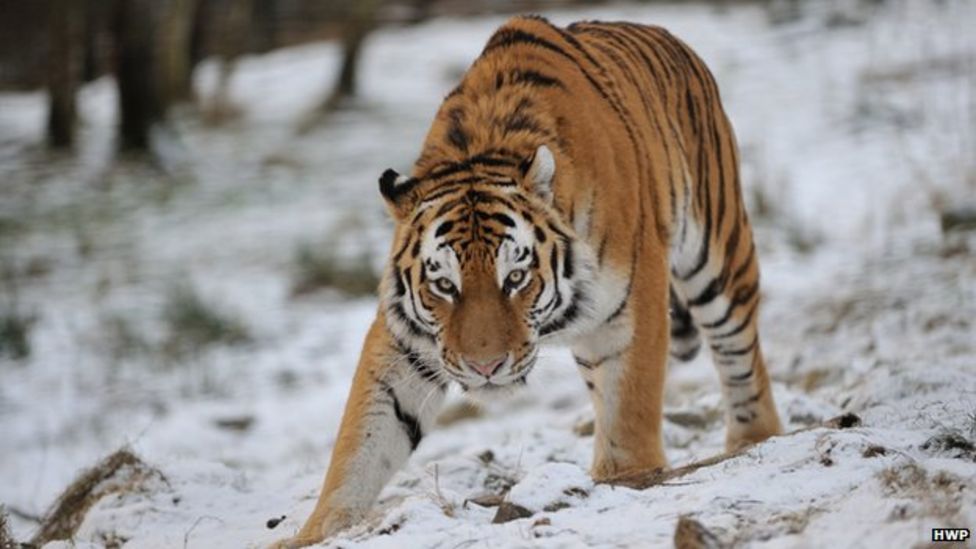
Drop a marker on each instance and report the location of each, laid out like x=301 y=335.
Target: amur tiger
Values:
x=581 y=184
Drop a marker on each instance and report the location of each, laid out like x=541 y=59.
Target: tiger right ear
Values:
x=539 y=170
x=398 y=191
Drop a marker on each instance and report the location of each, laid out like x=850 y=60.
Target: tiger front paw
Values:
x=319 y=527
x=293 y=543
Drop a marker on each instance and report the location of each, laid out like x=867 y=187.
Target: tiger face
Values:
x=482 y=271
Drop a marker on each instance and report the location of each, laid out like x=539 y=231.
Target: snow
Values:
x=853 y=134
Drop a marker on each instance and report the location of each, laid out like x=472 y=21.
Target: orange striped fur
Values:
x=581 y=185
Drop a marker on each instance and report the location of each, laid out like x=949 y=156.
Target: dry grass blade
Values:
x=6 y=540
x=120 y=472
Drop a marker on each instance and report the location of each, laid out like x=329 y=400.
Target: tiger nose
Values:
x=486 y=367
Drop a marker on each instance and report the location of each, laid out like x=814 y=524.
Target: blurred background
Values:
x=191 y=233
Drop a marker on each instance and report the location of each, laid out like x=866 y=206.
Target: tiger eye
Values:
x=515 y=278
x=445 y=286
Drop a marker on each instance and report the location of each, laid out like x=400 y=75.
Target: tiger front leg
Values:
x=623 y=363
x=392 y=403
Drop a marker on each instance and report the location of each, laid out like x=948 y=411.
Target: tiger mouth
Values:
x=517 y=375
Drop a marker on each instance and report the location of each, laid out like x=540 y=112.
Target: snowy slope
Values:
x=855 y=123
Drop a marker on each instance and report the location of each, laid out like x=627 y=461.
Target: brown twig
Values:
x=641 y=480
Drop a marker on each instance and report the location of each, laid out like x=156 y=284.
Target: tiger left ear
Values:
x=539 y=170
x=398 y=191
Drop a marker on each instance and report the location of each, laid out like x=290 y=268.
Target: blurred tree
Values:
x=232 y=34
x=355 y=20
x=359 y=20
x=154 y=63
x=65 y=26
x=176 y=35
x=140 y=104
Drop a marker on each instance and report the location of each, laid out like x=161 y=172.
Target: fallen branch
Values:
x=640 y=480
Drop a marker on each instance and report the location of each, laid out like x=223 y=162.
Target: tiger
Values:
x=579 y=186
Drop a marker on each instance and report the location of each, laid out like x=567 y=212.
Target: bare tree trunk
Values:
x=360 y=20
x=176 y=54
x=232 y=42
x=64 y=69
x=140 y=104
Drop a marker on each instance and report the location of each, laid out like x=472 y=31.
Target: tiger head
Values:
x=483 y=267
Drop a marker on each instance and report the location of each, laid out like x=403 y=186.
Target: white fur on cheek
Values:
x=441 y=261
x=508 y=253
x=542 y=171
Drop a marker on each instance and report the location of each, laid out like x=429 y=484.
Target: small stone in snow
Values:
x=874 y=451
x=845 y=421
x=691 y=534
x=486 y=500
x=274 y=522
x=508 y=512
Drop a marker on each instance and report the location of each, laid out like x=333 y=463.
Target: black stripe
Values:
x=630 y=286
x=737 y=352
x=582 y=363
x=568 y=259
x=568 y=316
x=712 y=290
x=396 y=309
x=742 y=326
x=741 y=377
x=399 y=289
x=751 y=400
x=603 y=248
x=488 y=158
x=592 y=365
x=687 y=355
x=517 y=122
x=682 y=326
x=444 y=228
x=620 y=308
x=508 y=37
x=408 y=421
x=496 y=216
x=424 y=369
x=535 y=78
x=741 y=297
x=540 y=236
x=557 y=298
x=455 y=133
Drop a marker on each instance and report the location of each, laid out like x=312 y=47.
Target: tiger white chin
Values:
x=490 y=390
x=509 y=377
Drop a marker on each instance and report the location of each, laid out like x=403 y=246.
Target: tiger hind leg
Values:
x=721 y=292
x=685 y=338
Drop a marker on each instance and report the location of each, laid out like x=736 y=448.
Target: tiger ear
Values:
x=538 y=171
x=398 y=191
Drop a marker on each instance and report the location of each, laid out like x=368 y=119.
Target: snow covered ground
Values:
x=857 y=123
